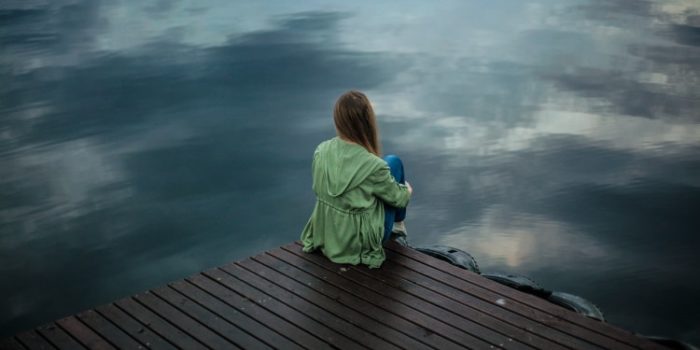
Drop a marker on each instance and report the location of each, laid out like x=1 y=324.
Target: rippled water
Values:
x=142 y=141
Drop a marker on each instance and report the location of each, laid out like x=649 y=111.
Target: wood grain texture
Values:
x=287 y=299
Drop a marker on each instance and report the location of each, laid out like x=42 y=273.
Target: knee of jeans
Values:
x=392 y=159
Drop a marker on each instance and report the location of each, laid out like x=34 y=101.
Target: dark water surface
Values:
x=143 y=141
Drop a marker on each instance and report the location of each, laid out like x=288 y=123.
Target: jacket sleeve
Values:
x=313 y=168
x=384 y=186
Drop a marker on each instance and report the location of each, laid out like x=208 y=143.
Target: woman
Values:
x=361 y=198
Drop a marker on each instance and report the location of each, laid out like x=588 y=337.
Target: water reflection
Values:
x=143 y=141
x=522 y=242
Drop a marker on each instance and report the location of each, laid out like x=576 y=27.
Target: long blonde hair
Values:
x=355 y=121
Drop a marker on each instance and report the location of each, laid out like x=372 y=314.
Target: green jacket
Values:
x=351 y=186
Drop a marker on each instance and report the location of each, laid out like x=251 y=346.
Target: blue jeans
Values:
x=393 y=214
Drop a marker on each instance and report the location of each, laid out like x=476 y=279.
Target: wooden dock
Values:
x=287 y=299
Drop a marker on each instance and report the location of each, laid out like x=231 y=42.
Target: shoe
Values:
x=401 y=240
x=399 y=229
x=398 y=233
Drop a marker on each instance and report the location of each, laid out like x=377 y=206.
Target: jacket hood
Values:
x=340 y=166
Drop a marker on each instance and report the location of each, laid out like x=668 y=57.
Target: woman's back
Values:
x=339 y=171
x=351 y=187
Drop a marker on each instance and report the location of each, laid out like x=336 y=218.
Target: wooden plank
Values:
x=33 y=340
x=455 y=312
x=601 y=334
x=182 y=320
x=469 y=293
x=390 y=313
x=340 y=325
x=420 y=313
x=212 y=320
x=461 y=297
x=292 y=316
x=345 y=308
x=107 y=330
x=133 y=327
x=546 y=325
x=83 y=334
x=157 y=324
x=542 y=325
x=11 y=343
x=269 y=319
x=233 y=315
x=288 y=299
x=58 y=337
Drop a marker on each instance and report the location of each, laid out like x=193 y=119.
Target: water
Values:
x=143 y=141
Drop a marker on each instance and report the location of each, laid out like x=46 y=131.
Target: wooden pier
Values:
x=287 y=299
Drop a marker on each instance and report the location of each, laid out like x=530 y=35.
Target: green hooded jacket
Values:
x=351 y=186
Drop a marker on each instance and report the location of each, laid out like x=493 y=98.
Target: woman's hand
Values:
x=410 y=189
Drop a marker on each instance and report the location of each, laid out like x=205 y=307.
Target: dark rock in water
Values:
x=577 y=304
x=569 y=301
x=452 y=255
x=521 y=283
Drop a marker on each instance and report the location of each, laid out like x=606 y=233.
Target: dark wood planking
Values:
x=183 y=321
x=58 y=337
x=83 y=334
x=296 y=338
x=544 y=327
x=292 y=316
x=450 y=326
x=463 y=291
x=304 y=271
x=289 y=299
x=448 y=307
x=522 y=334
x=548 y=325
x=210 y=319
x=529 y=314
x=133 y=327
x=461 y=297
x=622 y=336
x=304 y=306
x=108 y=331
x=509 y=309
x=11 y=343
x=157 y=324
x=233 y=315
x=391 y=313
x=34 y=340
x=343 y=308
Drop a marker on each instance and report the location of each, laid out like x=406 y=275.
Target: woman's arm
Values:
x=388 y=190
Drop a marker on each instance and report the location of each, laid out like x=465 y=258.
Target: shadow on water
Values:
x=144 y=141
